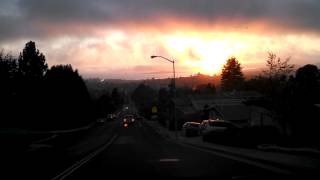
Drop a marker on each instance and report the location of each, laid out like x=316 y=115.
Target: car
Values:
x=219 y=131
x=215 y=125
x=128 y=119
x=190 y=129
x=139 y=118
x=202 y=126
x=111 y=117
x=154 y=117
x=101 y=121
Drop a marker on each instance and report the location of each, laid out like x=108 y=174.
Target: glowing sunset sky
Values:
x=115 y=38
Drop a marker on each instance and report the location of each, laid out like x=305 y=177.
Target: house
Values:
x=232 y=110
x=231 y=107
x=185 y=111
x=263 y=114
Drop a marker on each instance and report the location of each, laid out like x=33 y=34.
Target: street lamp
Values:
x=174 y=91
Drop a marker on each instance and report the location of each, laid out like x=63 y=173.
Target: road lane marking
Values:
x=125 y=140
x=169 y=160
x=78 y=164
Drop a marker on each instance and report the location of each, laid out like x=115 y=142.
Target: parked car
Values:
x=218 y=130
x=139 y=118
x=101 y=120
x=190 y=129
x=203 y=125
x=215 y=125
x=154 y=117
x=111 y=117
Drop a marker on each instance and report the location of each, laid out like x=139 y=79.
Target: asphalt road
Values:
x=49 y=158
x=140 y=152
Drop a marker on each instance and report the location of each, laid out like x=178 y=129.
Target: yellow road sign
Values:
x=154 y=109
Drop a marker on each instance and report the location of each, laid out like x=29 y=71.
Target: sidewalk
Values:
x=294 y=163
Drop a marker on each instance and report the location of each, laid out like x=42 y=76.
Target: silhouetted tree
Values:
x=232 y=76
x=37 y=98
x=117 y=98
x=144 y=97
x=274 y=79
x=278 y=68
x=307 y=83
x=32 y=63
x=205 y=89
x=303 y=114
x=105 y=105
x=8 y=70
x=164 y=105
x=68 y=100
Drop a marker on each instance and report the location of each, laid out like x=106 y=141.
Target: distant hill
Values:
x=97 y=86
x=250 y=73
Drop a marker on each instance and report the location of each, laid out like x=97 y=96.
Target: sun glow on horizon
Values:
x=122 y=53
x=206 y=53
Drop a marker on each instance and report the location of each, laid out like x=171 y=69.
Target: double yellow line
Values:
x=84 y=160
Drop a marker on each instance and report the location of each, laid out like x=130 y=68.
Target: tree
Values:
x=277 y=68
x=8 y=69
x=144 y=97
x=308 y=75
x=32 y=64
x=205 y=89
x=68 y=101
x=165 y=105
x=117 y=98
x=232 y=76
x=307 y=83
x=276 y=75
x=303 y=114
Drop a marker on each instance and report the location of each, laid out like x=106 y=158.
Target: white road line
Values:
x=78 y=164
x=45 y=139
x=169 y=160
x=125 y=140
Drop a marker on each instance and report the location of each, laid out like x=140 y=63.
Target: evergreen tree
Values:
x=232 y=76
x=32 y=64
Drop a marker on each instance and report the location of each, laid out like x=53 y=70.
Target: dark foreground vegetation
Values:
x=36 y=97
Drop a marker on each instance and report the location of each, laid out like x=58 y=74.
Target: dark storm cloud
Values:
x=23 y=17
x=100 y=10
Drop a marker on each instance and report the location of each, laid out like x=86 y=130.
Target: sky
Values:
x=115 y=38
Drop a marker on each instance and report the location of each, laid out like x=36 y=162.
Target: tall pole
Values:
x=174 y=104
x=174 y=94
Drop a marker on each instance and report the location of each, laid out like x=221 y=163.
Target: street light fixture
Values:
x=174 y=90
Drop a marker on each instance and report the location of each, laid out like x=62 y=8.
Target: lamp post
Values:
x=174 y=91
